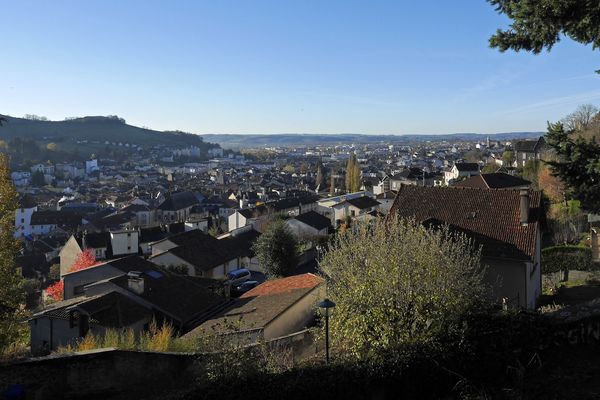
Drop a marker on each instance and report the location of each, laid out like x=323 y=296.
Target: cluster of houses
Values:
x=164 y=251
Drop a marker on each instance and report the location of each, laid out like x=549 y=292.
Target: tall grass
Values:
x=156 y=338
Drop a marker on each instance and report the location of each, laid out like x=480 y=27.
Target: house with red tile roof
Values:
x=507 y=224
x=276 y=308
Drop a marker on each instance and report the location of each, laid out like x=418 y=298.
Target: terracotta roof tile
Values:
x=493 y=214
x=283 y=285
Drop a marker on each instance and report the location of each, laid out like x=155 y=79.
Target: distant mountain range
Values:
x=289 y=139
x=101 y=129
x=115 y=129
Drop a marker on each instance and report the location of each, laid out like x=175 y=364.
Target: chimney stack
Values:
x=524 y=202
x=135 y=282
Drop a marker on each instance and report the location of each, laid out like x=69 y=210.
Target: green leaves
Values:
x=578 y=165
x=398 y=283
x=276 y=249
x=539 y=24
x=12 y=294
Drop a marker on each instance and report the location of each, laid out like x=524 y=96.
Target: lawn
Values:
x=581 y=287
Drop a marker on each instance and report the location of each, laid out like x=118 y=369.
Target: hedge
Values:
x=560 y=258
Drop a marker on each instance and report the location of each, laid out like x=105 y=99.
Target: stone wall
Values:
x=103 y=373
x=122 y=374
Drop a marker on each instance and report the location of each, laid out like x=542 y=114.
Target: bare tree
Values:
x=580 y=119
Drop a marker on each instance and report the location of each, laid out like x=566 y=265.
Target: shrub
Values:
x=399 y=283
x=561 y=258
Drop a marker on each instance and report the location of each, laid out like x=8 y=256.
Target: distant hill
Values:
x=102 y=129
x=286 y=139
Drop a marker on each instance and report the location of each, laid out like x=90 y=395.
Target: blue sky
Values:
x=313 y=66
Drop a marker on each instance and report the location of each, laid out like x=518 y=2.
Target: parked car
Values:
x=244 y=287
x=238 y=276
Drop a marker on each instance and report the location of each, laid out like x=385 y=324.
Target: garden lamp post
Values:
x=326 y=305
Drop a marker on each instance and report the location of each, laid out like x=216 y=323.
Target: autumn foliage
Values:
x=552 y=186
x=57 y=290
x=85 y=260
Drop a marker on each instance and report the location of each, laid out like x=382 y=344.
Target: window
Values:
x=128 y=248
x=353 y=213
x=22 y=220
x=129 y=234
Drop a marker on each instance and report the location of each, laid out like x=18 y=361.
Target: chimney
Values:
x=135 y=282
x=524 y=196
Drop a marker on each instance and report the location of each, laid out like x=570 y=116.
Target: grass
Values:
x=157 y=338
x=581 y=289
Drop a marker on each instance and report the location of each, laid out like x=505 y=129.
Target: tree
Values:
x=353 y=175
x=551 y=185
x=320 y=179
x=85 y=260
x=489 y=168
x=331 y=185
x=530 y=171
x=581 y=118
x=577 y=165
x=538 y=25
x=398 y=283
x=276 y=250
x=3 y=121
x=473 y=156
x=52 y=146
x=508 y=158
x=56 y=291
x=12 y=294
x=289 y=169
x=37 y=179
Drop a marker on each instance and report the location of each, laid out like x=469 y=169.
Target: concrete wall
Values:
x=297 y=317
x=51 y=333
x=101 y=374
x=23 y=221
x=534 y=275
x=87 y=276
x=235 y=221
x=124 y=242
x=508 y=279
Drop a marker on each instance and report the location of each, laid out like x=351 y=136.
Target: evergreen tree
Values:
x=12 y=294
x=349 y=173
x=331 y=185
x=538 y=25
x=320 y=179
x=578 y=165
x=275 y=249
x=37 y=179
